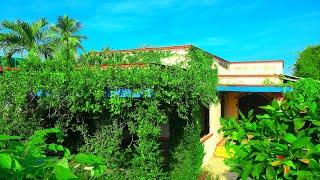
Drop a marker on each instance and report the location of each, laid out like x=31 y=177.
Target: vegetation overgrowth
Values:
x=80 y=96
x=283 y=143
x=308 y=63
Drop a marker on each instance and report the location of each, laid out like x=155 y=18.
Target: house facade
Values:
x=242 y=86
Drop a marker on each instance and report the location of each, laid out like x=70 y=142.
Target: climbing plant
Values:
x=112 y=104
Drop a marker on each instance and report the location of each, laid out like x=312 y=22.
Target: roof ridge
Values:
x=155 y=48
x=257 y=61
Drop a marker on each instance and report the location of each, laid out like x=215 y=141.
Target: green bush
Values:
x=42 y=156
x=187 y=156
x=281 y=144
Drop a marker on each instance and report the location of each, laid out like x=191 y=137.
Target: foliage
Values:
x=73 y=96
x=189 y=152
x=42 y=156
x=308 y=63
x=20 y=36
x=66 y=34
x=281 y=144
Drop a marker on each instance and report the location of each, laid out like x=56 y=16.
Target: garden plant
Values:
x=283 y=143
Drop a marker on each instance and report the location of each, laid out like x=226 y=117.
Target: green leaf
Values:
x=317 y=122
x=63 y=173
x=87 y=159
x=257 y=169
x=5 y=161
x=247 y=170
x=264 y=116
x=313 y=164
x=260 y=157
x=270 y=173
x=304 y=175
x=7 y=137
x=298 y=123
x=301 y=142
x=290 y=163
x=290 y=138
x=317 y=148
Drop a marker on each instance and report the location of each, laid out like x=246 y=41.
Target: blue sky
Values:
x=235 y=30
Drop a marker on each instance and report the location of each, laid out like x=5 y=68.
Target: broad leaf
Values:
x=290 y=138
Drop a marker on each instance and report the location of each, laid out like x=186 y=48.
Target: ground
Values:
x=215 y=168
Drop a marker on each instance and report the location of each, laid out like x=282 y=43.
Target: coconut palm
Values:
x=67 y=30
x=22 y=37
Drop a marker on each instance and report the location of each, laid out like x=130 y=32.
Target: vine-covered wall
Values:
x=72 y=95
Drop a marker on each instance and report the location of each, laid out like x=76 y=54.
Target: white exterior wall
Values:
x=251 y=73
x=254 y=80
x=178 y=56
x=214 y=122
x=253 y=68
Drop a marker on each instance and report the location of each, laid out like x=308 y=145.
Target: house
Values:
x=242 y=86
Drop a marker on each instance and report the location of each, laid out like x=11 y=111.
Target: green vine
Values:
x=70 y=94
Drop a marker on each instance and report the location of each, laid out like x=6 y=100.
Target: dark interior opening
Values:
x=253 y=101
x=204 y=121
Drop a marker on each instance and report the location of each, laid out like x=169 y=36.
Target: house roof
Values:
x=257 y=61
x=186 y=47
x=171 y=48
x=253 y=88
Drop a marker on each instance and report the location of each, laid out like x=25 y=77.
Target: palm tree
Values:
x=22 y=37
x=67 y=30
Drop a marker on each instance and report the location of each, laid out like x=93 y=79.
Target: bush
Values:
x=283 y=143
x=188 y=154
x=42 y=156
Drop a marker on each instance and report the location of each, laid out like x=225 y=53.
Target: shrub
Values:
x=42 y=156
x=283 y=143
x=188 y=154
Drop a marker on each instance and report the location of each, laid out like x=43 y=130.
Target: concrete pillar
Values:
x=214 y=136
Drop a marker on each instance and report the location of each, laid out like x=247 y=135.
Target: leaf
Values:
x=256 y=171
x=290 y=164
x=87 y=159
x=5 y=161
x=317 y=122
x=306 y=161
x=7 y=137
x=298 y=123
x=286 y=169
x=317 y=148
x=264 y=116
x=260 y=157
x=300 y=143
x=246 y=171
x=62 y=173
x=290 y=138
x=304 y=174
x=314 y=165
x=270 y=173
x=276 y=163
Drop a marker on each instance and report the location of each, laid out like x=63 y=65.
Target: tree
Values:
x=308 y=63
x=22 y=37
x=66 y=31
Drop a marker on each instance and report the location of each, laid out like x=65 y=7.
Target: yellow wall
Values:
x=231 y=105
